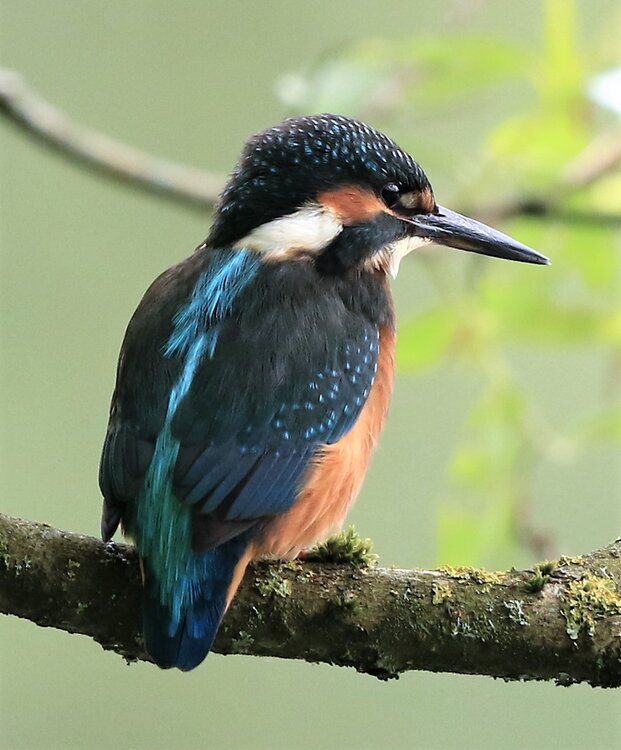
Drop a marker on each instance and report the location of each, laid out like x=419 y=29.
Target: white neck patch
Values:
x=309 y=229
x=389 y=259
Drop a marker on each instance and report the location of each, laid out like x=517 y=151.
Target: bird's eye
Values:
x=391 y=194
x=398 y=197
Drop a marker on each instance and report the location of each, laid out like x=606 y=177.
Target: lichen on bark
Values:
x=382 y=622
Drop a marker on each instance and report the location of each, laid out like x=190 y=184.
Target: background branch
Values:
x=103 y=154
x=559 y=622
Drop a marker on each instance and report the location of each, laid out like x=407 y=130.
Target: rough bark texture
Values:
x=560 y=621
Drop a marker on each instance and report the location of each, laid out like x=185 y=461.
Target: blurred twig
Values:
x=541 y=543
x=600 y=157
x=198 y=188
x=551 y=209
x=101 y=153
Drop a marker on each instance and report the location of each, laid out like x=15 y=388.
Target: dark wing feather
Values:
x=265 y=440
x=290 y=372
x=124 y=462
x=143 y=381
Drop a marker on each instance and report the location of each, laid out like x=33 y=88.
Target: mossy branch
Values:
x=561 y=621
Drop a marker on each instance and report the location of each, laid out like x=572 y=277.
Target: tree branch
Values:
x=101 y=153
x=561 y=621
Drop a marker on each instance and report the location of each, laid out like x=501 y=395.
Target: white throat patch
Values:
x=389 y=259
x=309 y=229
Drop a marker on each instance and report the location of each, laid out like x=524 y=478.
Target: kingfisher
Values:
x=255 y=376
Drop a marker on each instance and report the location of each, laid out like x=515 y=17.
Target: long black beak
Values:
x=447 y=227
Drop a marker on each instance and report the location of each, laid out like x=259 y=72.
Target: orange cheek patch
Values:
x=351 y=205
x=427 y=201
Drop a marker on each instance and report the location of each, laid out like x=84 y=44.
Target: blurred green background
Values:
x=502 y=445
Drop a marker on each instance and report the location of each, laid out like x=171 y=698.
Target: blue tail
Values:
x=185 y=641
x=186 y=645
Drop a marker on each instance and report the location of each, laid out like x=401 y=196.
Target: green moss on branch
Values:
x=381 y=622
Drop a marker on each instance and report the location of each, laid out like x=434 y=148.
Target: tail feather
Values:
x=185 y=641
x=188 y=644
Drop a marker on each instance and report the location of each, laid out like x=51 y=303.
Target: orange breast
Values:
x=334 y=481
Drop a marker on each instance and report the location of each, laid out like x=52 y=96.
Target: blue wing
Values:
x=257 y=471
x=255 y=371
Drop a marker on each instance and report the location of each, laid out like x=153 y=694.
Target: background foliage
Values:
x=503 y=440
x=542 y=169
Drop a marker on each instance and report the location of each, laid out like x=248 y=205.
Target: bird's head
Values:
x=337 y=191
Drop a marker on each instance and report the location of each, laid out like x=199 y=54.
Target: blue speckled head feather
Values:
x=286 y=166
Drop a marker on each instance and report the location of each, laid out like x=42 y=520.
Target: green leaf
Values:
x=602 y=427
x=458 y=536
x=563 y=70
x=533 y=314
x=453 y=69
x=346 y=86
x=593 y=250
x=473 y=537
x=424 y=341
x=535 y=147
x=424 y=72
x=472 y=467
